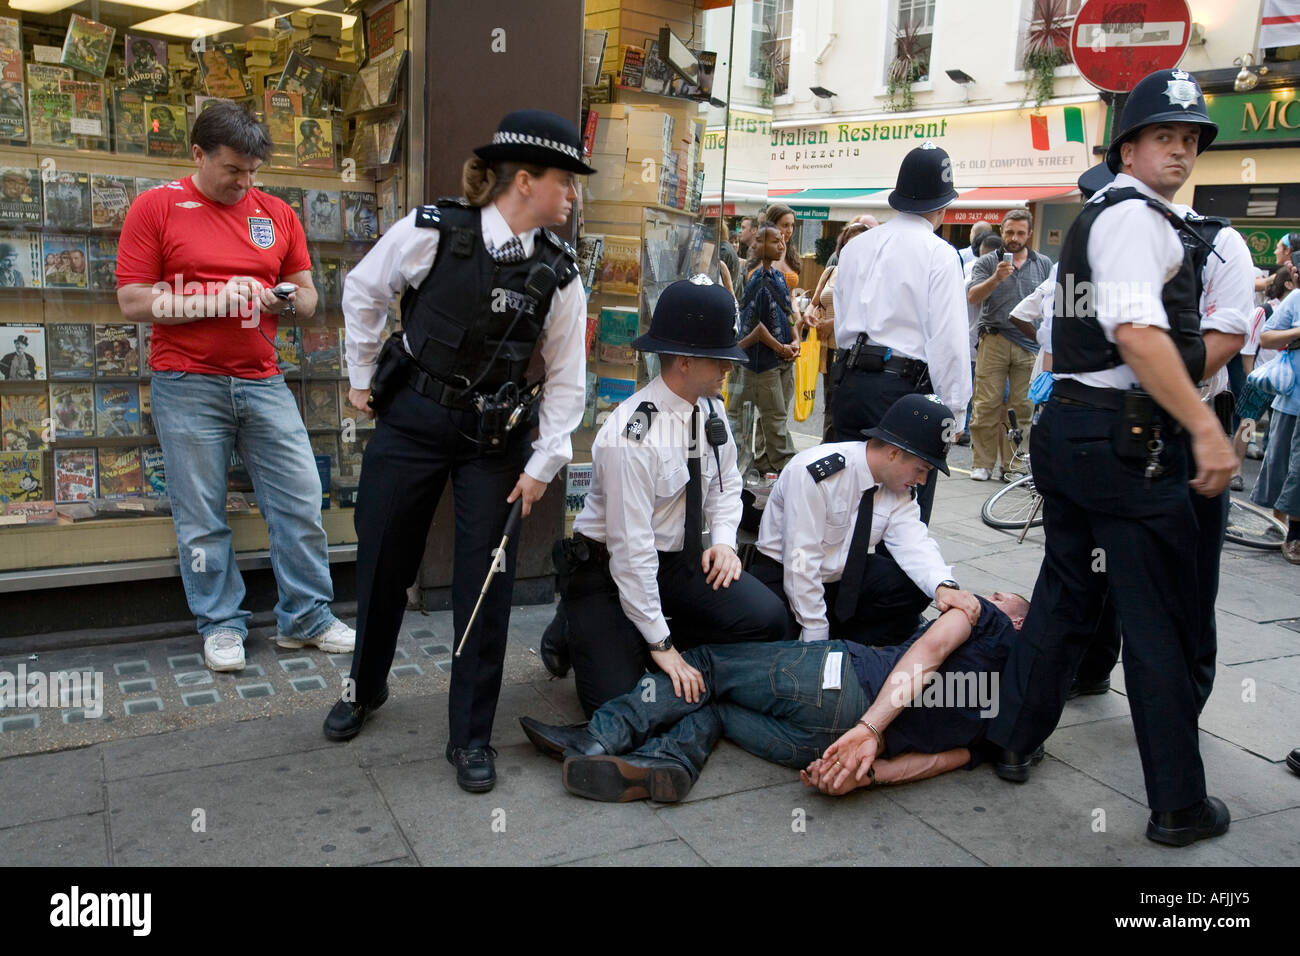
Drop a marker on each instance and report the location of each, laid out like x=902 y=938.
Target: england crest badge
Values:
x=262 y=231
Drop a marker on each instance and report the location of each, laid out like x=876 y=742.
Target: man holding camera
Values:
x=216 y=385
x=1006 y=350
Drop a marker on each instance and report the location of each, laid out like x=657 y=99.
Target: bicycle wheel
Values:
x=1010 y=507
x=1254 y=527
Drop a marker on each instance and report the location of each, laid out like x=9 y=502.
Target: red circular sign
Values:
x=1117 y=42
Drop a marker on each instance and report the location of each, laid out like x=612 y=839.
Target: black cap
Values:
x=1165 y=96
x=917 y=424
x=924 y=180
x=1094 y=179
x=694 y=317
x=539 y=138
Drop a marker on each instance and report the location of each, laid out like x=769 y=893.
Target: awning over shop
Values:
x=971 y=205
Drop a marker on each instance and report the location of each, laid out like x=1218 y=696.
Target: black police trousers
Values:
x=1109 y=527
x=859 y=400
x=608 y=652
x=889 y=602
x=418 y=444
x=1103 y=652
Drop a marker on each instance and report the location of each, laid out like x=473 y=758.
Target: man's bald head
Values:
x=979 y=231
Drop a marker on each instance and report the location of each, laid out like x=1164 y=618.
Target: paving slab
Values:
x=307 y=809
x=793 y=825
x=1107 y=751
x=1259 y=716
x=1048 y=821
x=528 y=819
x=733 y=770
x=67 y=841
x=1273 y=839
x=48 y=786
x=668 y=853
x=1241 y=639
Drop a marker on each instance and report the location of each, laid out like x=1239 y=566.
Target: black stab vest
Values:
x=463 y=310
x=1078 y=343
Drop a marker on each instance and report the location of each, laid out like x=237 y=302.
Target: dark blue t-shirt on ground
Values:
x=946 y=714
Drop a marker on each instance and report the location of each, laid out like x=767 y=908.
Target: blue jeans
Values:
x=766 y=698
x=199 y=420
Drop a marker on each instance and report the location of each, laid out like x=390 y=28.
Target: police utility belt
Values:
x=569 y=554
x=1141 y=427
x=865 y=357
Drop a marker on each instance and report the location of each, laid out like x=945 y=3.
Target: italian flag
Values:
x=1070 y=124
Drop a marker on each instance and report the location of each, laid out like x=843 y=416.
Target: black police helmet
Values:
x=924 y=180
x=1165 y=96
x=1094 y=179
x=694 y=317
x=918 y=424
x=538 y=138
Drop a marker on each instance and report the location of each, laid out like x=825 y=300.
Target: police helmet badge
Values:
x=1181 y=90
x=262 y=231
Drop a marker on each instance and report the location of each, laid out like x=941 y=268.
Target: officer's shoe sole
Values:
x=1211 y=819
x=1017 y=771
x=620 y=780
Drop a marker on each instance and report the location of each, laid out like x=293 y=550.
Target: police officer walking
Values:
x=486 y=289
x=1113 y=453
x=900 y=308
x=663 y=464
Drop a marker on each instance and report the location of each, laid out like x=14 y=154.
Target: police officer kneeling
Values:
x=1113 y=453
x=661 y=463
x=487 y=289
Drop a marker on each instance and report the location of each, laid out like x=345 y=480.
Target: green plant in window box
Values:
x=1047 y=46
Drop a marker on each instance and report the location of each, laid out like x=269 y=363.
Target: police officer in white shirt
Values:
x=494 y=324
x=1113 y=453
x=900 y=309
x=662 y=464
x=833 y=504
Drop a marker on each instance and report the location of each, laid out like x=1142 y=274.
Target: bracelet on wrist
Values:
x=880 y=740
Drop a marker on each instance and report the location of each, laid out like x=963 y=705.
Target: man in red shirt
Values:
x=200 y=258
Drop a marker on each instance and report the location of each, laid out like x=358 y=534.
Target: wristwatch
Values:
x=950 y=583
x=665 y=645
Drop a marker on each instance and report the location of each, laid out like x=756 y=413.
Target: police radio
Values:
x=715 y=432
x=502 y=412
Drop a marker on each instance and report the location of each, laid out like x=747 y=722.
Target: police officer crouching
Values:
x=486 y=289
x=1113 y=453
x=662 y=463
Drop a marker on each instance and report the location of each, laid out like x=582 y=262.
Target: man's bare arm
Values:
x=1220 y=347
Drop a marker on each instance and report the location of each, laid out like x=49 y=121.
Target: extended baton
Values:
x=498 y=565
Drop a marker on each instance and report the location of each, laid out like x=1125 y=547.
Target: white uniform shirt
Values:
x=637 y=501
x=808 y=526
x=403 y=257
x=902 y=285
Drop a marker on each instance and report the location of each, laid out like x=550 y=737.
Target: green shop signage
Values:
x=1273 y=116
x=1262 y=241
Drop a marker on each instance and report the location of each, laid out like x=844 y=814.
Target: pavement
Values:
x=186 y=767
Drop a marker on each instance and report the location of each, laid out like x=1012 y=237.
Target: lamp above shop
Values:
x=1247 y=79
x=822 y=93
x=960 y=76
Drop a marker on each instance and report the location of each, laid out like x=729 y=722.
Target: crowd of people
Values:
x=814 y=654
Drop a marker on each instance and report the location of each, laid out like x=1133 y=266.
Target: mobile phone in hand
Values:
x=284 y=290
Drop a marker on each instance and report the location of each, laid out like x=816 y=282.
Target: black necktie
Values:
x=856 y=566
x=691 y=544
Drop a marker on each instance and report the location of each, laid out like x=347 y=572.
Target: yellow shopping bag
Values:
x=806 y=368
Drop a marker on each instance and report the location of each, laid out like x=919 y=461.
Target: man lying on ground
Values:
x=846 y=714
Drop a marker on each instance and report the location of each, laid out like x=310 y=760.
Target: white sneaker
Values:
x=338 y=638
x=979 y=474
x=223 y=650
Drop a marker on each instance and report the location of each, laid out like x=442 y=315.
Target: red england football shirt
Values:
x=175 y=231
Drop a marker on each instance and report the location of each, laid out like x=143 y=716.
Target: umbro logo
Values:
x=189 y=204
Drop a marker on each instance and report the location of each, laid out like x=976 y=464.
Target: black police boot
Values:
x=476 y=770
x=1082 y=688
x=1209 y=818
x=1015 y=767
x=556 y=741
x=623 y=779
x=345 y=718
x=554 y=646
x=1293 y=760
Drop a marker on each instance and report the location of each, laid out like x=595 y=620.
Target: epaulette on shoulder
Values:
x=825 y=467
x=639 y=422
x=568 y=267
x=428 y=217
x=559 y=244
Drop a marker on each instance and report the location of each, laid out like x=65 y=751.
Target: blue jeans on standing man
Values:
x=766 y=698
x=200 y=419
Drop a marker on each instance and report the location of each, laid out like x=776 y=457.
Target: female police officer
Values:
x=486 y=289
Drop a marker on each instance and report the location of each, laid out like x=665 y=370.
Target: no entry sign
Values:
x=1117 y=42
